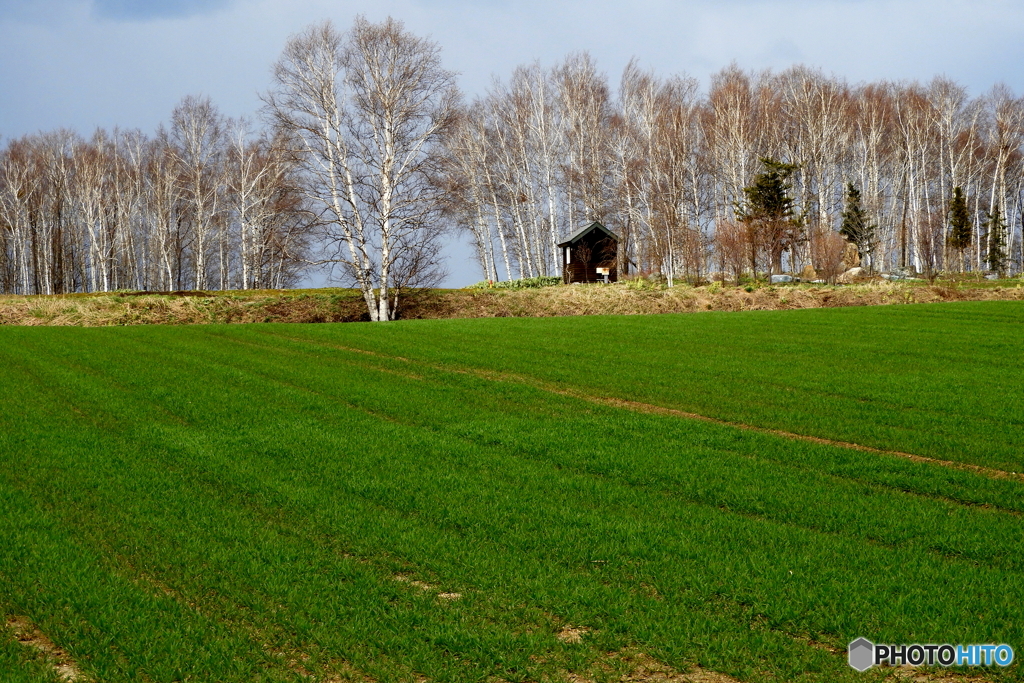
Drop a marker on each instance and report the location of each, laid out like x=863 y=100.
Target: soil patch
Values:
x=570 y=634
x=30 y=636
x=642 y=668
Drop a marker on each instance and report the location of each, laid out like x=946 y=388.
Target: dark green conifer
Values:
x=768 y=198
x=855 y=226
x=959 y=224
x=769 y=213
x=996 y=226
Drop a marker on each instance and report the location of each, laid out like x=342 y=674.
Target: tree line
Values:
x=933 y=178
x=205 y=203
x=367 y=153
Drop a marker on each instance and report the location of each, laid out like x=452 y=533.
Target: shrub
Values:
x=525 y=283
x=645 y=283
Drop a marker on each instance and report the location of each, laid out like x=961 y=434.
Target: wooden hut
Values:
x=591 y=254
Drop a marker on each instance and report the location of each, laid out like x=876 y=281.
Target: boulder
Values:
x=851 y=257
x=900 y=274
x=782 y=278
x=851 y=275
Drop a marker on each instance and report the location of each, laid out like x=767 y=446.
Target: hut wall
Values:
x=590 y=253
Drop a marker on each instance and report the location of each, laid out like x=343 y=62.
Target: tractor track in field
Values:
x=482 y=374
x=642 y=668
x=26 y=633
x=653 y=409
x=640 y=407
x=292 y=655
x=610 y=402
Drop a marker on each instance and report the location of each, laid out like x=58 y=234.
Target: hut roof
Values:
x=586 y=230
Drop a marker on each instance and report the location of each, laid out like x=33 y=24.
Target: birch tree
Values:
x=366 y=110
x=197 y=134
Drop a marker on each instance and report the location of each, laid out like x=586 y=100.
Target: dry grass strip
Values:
x=909 y=674
x=423 y=586
x=649 y=670
x=316 y=306
x=572 y=634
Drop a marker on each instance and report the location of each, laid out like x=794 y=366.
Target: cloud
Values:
x=52 y=12
x=84 y=63
x=134 y=10
x=30 y=11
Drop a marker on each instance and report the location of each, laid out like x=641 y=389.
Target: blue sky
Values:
x=86 y=63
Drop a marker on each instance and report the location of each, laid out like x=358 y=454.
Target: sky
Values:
x=83 y=64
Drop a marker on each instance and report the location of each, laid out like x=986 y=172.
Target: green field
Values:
x=449 y=500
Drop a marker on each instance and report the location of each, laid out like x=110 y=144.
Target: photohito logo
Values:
x=863 y=654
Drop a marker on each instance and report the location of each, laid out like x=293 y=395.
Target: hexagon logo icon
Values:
x=861 y=654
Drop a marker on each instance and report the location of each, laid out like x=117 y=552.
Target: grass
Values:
x=936 y=380
x=272 y=502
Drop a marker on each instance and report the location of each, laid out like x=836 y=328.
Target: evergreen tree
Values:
x=769 y=213
x=959 y=224
x=855 y=226
x=996 y=226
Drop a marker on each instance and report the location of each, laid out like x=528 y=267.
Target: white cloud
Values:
x=149 y=9
x=63 y=65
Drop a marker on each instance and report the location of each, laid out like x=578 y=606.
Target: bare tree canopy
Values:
x=365 y=111
x=668 y=169
x=191 y=208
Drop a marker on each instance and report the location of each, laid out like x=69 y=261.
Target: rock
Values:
x=850 y=275
x=900 y=277
x=851 y=257
x=808 y=273
x=779 y=279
